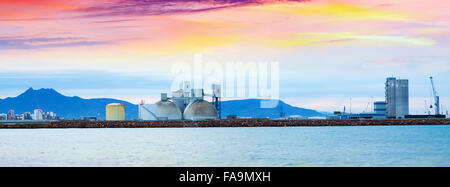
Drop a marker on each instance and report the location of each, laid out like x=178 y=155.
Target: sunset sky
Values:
x=328 y=50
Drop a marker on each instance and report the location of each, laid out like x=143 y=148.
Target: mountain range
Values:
x=76 y=107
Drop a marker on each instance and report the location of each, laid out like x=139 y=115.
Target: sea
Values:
x=427 y=145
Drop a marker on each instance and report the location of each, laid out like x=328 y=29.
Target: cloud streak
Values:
x=7 y=43
x=159 y=7
x=36 y=10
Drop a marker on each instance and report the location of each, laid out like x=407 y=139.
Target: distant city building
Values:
x=50 y=116
x=27 y=116
x=232 y=116
x=11 y=115
x=19 y=117
x=38 y=114
x=90 y=118
x=295 y=117
x=3 y=116
x=397 y=97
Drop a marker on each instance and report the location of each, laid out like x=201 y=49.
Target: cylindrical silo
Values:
x=200 y=110
x=115 y=112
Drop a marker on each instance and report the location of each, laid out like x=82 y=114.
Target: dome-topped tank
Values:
x=167 y=110
x=200 y=110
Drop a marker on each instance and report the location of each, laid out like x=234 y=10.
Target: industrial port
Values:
x=189 y=107
x=190 y=104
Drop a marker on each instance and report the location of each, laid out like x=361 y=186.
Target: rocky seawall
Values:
x=224 y=123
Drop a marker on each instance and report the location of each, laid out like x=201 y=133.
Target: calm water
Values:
x=264 y=146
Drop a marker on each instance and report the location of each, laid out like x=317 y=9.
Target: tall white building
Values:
x=38 y=114
x=11 y=115
x=397 y=97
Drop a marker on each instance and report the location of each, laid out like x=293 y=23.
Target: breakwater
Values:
x=224 y=123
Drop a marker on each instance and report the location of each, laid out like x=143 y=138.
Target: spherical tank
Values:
x=200 y=110
x=168 y=110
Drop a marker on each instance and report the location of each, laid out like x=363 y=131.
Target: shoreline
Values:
x=225 y=123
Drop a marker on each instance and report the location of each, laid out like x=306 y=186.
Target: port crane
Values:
x=436 y=98
x=427 y=110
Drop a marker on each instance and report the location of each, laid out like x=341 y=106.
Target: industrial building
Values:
x=185 y=104
x=397 y=97
x=426 y=116
x=379 y=113
x=379 y=107
x=395 y=106
x=115 y=112
x=90 y=118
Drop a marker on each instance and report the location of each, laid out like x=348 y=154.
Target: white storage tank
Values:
x=167 y=110
x=147 y=112
x=200 y=110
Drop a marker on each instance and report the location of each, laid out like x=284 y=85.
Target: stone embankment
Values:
x=225 y=123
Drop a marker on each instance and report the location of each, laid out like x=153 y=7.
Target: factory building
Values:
x=379 y=107
x=397 y=97
x=379 y=113
x=185 y=104
x=115 y=112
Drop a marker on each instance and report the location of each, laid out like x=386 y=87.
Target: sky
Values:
x=329 y=51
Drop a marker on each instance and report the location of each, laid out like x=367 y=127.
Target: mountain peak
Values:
x=29 y=90
x=66 y=107
x=40 y=92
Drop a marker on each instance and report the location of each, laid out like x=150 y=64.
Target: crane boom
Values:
x=436 y=97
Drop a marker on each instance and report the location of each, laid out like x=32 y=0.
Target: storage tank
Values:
x=200 y=110
x=167 y=110
x=115 y=112
x=147 y=112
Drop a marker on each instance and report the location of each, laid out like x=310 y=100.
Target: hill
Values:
x=64 y=106
x=251 y=108
x=76 y=107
